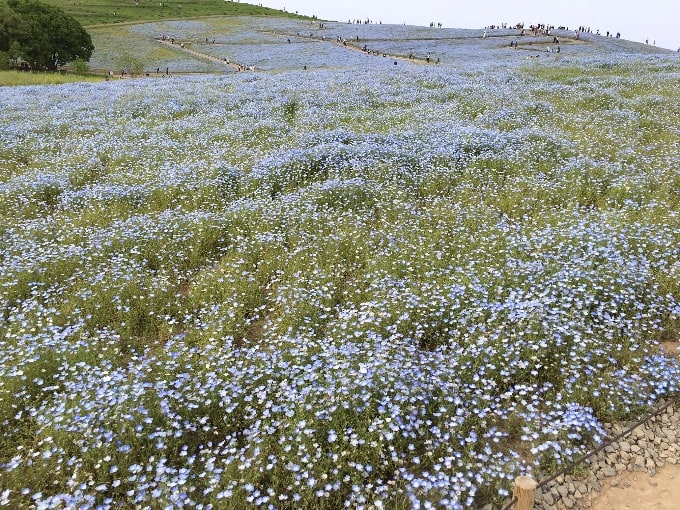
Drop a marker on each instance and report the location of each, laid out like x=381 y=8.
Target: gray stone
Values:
x=563 y=491
x=608 y=472
x=625 y=446
x=568 y=502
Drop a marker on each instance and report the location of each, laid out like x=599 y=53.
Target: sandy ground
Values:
x=639 y=491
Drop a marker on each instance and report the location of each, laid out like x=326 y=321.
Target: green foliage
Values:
x=42 y=35
x=5 y=61
x=80 y=66
x=131 y=64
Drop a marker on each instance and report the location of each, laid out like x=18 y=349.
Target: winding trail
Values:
x=351 y=46
x=177 y=45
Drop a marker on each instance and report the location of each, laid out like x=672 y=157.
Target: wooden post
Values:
x=525 y=492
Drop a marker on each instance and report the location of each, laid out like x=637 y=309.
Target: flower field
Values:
x=360 y=288
x=290 y=44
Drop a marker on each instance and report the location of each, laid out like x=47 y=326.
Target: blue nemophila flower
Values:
x=336 y=291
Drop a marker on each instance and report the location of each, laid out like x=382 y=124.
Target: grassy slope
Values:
x=97 y=12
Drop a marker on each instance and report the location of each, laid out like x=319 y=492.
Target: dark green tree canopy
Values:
x=41 y=34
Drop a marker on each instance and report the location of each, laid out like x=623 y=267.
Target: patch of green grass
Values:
x=16 y=78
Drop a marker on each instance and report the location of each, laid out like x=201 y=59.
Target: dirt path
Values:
x=350 y=45
x=178 y=46
x=639 y=491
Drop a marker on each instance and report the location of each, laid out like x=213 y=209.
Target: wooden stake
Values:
x=525 y=492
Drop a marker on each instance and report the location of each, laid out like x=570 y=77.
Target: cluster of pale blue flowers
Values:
x=304 y=291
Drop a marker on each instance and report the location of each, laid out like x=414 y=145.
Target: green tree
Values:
x=41 y=34
x=8 y=20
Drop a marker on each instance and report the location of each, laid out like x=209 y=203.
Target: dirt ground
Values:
x=670 y=348
x=639 y=491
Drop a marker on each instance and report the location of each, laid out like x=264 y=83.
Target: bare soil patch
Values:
x=639 y=491
x=671 y=349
